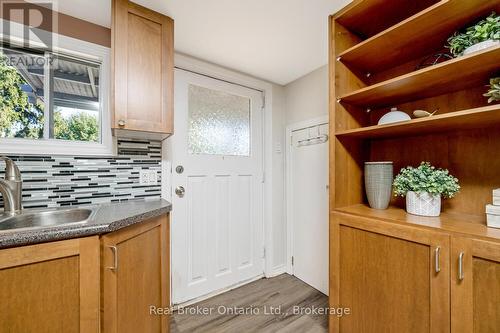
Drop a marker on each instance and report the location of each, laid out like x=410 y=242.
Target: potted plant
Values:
x=494 y=91
x=482 y=35
x=424 y=187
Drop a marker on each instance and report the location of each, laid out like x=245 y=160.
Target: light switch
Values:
x=278 y=147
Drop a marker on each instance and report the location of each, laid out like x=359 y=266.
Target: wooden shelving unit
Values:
x=367 y=36
x=457 y=74
x=399 y=272
x=483 y=117
x=398 y=43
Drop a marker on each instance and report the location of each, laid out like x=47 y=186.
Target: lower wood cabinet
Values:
x=94 y=284
x=392 y=278
x=135 y=275
x=475 y=286
x=51 y=287
x=399 y=278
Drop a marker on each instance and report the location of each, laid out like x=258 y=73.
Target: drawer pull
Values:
x=461 y=266
x=115 y=258
x=437 y=255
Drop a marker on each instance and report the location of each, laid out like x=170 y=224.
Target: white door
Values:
x=217 y=222
x=308 y=195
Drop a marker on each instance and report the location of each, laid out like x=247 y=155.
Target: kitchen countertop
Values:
x=106 y=218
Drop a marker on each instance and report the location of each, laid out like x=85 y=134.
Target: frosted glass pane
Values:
x=218 y=123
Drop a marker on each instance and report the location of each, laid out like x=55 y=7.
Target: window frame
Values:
x=79 y=49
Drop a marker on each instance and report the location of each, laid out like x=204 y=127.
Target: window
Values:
x=218 y=123
x=48 y=96
x=54 y=102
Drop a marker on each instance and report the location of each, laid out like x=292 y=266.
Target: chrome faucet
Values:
x=11 y=187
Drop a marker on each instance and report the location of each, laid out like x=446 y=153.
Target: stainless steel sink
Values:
x=43 y=219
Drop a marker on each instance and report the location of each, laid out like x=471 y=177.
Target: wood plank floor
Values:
x=291 y=300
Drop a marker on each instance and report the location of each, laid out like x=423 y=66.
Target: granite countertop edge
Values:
x=105 y=218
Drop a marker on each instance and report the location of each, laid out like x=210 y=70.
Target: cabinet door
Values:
x=393 y=278
x=143 y=44
x=475 y=286
x=136 y=277
x=52 y=287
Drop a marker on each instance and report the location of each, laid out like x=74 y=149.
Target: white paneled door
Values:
x=308 y=204
x=217 y=186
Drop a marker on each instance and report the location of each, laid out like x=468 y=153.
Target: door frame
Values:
x=288 y=182
x=200 y=67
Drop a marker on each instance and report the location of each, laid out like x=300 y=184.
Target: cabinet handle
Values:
x=121 y=122
x=461 y=266
x=115 y=258
x=437 y=254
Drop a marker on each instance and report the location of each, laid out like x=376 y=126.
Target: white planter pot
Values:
x=423 y=204
x=481 y=46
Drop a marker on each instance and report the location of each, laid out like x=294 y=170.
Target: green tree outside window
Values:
x=21 y=119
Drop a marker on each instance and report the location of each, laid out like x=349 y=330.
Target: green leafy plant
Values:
x=486 y=29
x=494 y=91
x=426 y=178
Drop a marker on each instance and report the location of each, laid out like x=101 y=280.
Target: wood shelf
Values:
x=482 y=117
x=416 y=36
x=450 y=222
x=383 y=14
x=457 y=74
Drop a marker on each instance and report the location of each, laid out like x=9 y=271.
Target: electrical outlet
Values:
x=153 y=177
x=148 y=177
x=144 y=177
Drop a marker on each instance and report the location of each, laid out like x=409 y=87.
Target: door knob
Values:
x=179 y=190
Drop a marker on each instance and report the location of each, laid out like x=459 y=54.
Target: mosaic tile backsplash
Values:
x=56 y=181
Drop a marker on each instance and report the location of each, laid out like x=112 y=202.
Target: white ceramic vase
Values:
x=423 y=204
x=378 y=183
x=481 y=46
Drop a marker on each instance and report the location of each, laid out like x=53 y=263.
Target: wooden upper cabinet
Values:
x=393 y=278
x=135 y=273
x=475 y=286
x=143 y=60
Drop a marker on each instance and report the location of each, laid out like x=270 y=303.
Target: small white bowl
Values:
x=394 y=117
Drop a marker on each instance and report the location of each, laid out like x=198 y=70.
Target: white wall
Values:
x=307 y=97
x=302 y=99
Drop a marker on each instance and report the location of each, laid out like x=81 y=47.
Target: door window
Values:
x=218 y=122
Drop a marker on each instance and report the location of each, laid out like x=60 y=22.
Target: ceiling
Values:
x=275 y=40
